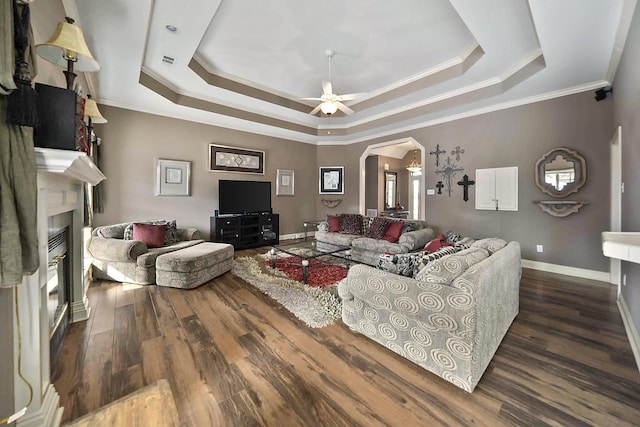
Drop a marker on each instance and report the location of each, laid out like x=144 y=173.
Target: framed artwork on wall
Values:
x=230 y=159
x=172 y=178
x=285 y=182
x=332 y=180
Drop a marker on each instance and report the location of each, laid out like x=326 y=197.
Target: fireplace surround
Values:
x=62 y=175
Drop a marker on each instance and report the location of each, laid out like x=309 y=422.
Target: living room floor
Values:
x=233 y=356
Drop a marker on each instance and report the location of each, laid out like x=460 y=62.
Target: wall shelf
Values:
x=560 y=208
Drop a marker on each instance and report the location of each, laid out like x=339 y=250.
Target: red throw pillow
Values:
x=436 y=244
x=335 y=222
x=393 y=232
x=150 y=234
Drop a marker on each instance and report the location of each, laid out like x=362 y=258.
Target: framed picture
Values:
x=231 y=159
x=172 y=178
x=285 y=182
x=332 y=180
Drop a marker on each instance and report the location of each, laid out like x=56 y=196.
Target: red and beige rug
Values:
x=317 y=304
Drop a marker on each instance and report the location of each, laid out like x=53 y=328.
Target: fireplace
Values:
x=55 y=295
x=58 y=285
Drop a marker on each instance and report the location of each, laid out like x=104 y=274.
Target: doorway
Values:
x=416 y=189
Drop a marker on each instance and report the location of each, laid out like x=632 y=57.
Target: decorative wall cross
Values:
x=437 y=153
x=439 y=185
x=466 y=183
x=457 y=152
x=448 y=171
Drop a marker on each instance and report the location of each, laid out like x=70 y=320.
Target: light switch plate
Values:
x=430 y=191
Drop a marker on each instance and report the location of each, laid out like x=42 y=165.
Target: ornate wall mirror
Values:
x=390 y=189
x=561 y=172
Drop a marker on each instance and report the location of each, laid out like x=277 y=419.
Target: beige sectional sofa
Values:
x=449 y=319
x=366 y=250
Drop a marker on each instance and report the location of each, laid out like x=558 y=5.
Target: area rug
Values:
x=316 y=304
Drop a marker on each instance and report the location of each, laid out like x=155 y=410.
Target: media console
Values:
x=246 y=231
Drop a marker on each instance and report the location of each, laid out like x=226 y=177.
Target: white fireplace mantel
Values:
x=73 y=164
x=61 y=178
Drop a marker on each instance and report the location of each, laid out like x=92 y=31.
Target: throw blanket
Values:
x=18 y=185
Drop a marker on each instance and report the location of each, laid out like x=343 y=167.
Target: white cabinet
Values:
x=497 y=189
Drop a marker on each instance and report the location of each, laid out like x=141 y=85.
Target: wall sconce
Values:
x=67 y=47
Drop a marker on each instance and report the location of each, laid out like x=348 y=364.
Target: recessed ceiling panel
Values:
x=281 y=44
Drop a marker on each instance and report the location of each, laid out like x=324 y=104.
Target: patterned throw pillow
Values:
x=444 y=270
x=366 y=223
x=128 y=232
x=402 y=264
x=378 y=227
x=426 y=258
x=452 y=237
x=465 y=242
x=351 y=224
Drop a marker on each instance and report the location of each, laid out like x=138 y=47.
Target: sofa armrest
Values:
x=439 y=307
x=189 y=234
x=116 y=249
x=416 y=239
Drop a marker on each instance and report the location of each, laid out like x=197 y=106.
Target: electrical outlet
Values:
x=539 y=248
x=624 y=280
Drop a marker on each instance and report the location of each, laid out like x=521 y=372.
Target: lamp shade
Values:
x=67 y=44
x=328 y=107
x=91 y=110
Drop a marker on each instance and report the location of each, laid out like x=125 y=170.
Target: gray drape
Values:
x=18 y=185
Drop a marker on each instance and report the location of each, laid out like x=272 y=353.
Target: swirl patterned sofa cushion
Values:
x=445 y=269
x=452 y=331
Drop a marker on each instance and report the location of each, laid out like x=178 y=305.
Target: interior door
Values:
x=616 y=200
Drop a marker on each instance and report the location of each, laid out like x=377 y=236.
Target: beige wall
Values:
x=133 y=141
x=626 y=100
x=514 y=137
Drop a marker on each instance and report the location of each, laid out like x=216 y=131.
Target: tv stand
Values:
x=246 y=231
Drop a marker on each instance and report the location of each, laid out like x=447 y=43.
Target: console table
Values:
x=245 y=231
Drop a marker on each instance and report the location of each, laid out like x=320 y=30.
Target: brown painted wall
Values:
x=133 y=141
x=515 y=137
x=626 y=100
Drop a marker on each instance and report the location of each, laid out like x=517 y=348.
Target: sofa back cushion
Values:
x=115 y=231
x=150 y=234
x=444 y=270
x=491 y=244
x=351 y=224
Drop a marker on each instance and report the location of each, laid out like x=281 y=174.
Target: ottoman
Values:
x=191 y=267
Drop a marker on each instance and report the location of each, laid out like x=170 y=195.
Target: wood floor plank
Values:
x=232 y=356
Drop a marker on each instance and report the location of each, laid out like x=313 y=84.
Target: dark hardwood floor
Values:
x=235 y=357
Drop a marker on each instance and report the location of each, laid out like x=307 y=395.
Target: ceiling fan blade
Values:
x=350 y=96
x=326 y=88
x=310 y=99
x=344 y=108
x=315 y=110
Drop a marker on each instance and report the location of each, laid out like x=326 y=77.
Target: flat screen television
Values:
x=244 y=197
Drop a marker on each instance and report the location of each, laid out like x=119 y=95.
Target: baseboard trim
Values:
x=629 y=326
x=296 y=236
x=583 y=273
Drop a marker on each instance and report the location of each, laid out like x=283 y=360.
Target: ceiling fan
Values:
x=330 y=102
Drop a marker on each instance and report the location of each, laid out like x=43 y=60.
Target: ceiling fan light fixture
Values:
x=328 y=108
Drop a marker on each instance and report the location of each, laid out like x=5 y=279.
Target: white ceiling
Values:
x=244 y=64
